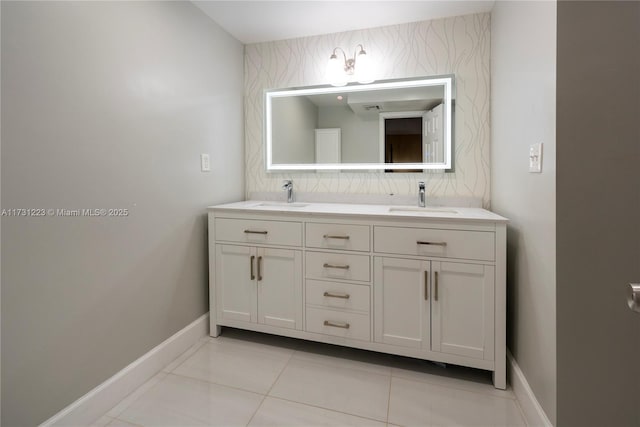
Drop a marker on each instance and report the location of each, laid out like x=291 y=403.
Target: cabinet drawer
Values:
x=337 y=295
x=477 y=245
x=338 y=236
x=258 y=231
x=339 y=323
x=321 y=265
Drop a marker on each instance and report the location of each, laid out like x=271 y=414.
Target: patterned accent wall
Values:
x=458 y=45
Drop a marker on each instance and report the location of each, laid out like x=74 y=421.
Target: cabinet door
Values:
x=463 y=310
x=401 y=302
x=235 y=289
x=279 y=284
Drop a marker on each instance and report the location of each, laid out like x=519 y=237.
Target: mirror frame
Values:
x=447 y=81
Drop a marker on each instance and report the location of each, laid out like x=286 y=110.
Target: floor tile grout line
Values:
x=315 y=406
x=109 y=420
x=327 y=409
x=262 y=348
x=524 y=418
x=322 y=407
x=280 y=373
x=124 y=421
x=163 y=373
x=202 y=380
x=264 y=397
x=187 y=358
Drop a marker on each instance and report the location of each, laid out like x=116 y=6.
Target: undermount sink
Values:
x=428 y=211
x=282 y=205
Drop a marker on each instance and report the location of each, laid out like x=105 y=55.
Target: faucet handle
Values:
x=421 y=185
x=286 y=184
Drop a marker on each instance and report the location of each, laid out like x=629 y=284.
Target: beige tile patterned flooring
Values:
x=248 y=379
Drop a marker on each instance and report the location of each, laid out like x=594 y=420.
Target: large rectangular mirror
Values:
x=392 y=126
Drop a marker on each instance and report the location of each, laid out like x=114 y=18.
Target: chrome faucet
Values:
x=287 y=184
x=422 y=198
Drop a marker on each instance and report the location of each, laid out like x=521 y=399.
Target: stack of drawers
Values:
x=338 y=280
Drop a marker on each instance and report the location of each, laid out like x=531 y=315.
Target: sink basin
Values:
x=282 y=205
x=426 y=211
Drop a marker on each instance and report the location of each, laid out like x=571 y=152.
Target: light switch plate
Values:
x=205 y=163
x=535 y=158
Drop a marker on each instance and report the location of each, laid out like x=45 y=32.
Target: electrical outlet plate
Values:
x=535 y=158
x=205 y=163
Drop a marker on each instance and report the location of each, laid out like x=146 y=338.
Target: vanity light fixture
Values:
x=338 y=72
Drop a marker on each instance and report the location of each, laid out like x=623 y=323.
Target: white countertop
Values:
x=382 y=211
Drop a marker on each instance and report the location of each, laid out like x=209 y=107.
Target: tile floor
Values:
x=243 y=378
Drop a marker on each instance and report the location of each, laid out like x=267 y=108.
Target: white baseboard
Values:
x=101 y=399
x=533 y=412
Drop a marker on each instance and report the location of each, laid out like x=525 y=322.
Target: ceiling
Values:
x=260 y=21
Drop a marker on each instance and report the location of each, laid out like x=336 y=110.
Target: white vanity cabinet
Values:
x=421 y=285
x=338 y=280
x=449 y=305
x=258 y=284
x=462 y=309
x=440 y=306
x=402 y=307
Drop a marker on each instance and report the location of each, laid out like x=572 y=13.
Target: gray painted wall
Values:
x=108 y=105
x=295 y=119
x=360 y=136
x=598 y=212
x=523 y=112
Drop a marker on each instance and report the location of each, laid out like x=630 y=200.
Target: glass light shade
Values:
x=335 y=72
x=363 y=71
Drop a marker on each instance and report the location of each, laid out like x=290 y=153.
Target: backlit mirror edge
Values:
x=446 y=80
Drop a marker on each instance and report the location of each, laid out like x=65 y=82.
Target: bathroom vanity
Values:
x=426 y=282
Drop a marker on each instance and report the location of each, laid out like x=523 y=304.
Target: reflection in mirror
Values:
x=395 y=126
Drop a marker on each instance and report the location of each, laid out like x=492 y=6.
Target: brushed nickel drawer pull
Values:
x=253 y=257
x=426 y=285
x=255 y=232
x=336 y=325
x=421 y=242
x=344 y=267
x=435 y=293
x=332 y=295
x=259 y=268
x=333 y=236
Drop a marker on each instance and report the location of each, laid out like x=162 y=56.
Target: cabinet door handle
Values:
x=255 y=232
x=336 y=324
x=426 y=285
x=435 y=292
x=344 y=267
x=332 y=295
x=253 y=276
x=422 y=242
x=259 y=268
x=334 y=236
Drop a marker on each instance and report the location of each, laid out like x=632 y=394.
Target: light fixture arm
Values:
x=348 y=68
x=349 y=65
x=358 y=52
